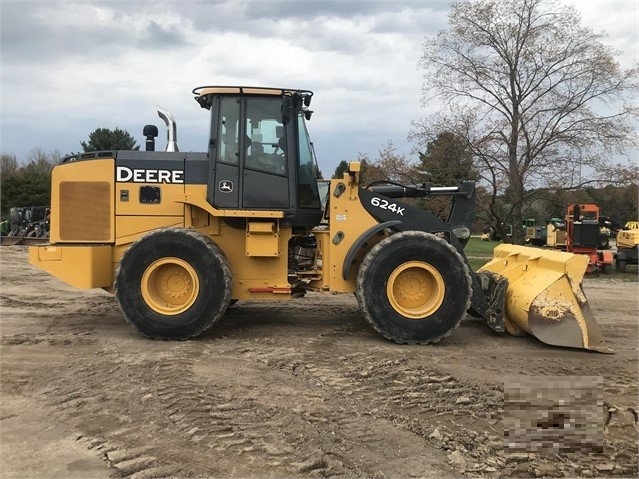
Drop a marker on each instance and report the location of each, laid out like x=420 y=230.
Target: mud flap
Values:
x=545 y=297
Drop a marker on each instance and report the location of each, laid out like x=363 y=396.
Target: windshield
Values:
x=307 y=181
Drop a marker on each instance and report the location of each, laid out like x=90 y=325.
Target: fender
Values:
x=352 y=251
x=411 y=218
x=461 y=217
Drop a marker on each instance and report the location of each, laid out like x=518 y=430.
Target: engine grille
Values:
x=85 y=211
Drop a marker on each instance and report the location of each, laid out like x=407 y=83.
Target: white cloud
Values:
x=620 y=20
x=70 y=67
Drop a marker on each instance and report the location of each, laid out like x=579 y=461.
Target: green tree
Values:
x=105 y=139
x=617 y=202
x=447 y=160
x=29 y=184
x=538 y=98
x=341 y=169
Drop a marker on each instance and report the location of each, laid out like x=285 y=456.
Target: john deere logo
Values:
x=226 y=186
x=140 y=175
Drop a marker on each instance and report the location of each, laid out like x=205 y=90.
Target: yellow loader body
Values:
x=628 y=238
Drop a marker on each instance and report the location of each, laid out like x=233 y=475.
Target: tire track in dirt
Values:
x=108 y=421
x=400 y=395
x=359 y=398
x=335 y=431
x=406 y=396
x=56 y=328
x=458 y=416
x=241 y=433
x=220 y=422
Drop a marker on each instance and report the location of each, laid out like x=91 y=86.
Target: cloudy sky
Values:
x=70 y=67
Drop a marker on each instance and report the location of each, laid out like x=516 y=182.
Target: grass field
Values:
x=477 y=247
x=480 y=252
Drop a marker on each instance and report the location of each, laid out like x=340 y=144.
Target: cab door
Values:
x=265 y=176
x=224 y=176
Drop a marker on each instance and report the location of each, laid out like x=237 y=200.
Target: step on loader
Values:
x=177 y=237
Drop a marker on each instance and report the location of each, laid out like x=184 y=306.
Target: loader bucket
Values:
x=545 y=297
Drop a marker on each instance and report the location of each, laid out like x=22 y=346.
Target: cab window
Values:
x=266 y=142
x=228 y=149
x=307 y=182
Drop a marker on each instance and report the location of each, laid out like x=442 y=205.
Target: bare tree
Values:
x=538 y=98
x=389 y=166
x=8 y=165
x=27 y=184
x=41 y=161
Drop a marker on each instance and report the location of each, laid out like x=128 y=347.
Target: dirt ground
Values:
x=297 y=389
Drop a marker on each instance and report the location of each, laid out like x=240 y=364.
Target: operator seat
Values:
x=256 y=157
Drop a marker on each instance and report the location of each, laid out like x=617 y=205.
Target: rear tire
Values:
x=173 y=283
x=414 y=287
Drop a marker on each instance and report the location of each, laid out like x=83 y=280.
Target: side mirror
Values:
x=307 y=114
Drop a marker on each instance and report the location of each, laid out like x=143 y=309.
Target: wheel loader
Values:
x=178 y=236
x=627 y=245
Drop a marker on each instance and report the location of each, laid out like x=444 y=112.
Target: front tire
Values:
x=173 y=283
x=414 y=287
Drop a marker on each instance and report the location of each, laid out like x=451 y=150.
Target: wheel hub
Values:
x=170 y=286
x=411 y=287
x=176 y=284
x=415 y=289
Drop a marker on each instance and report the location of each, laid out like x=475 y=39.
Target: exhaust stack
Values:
x=171 y=129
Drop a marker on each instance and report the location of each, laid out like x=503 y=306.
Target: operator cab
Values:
x=260 y=152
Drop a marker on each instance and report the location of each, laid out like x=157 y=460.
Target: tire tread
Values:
x=370 y=258
x=215 y=252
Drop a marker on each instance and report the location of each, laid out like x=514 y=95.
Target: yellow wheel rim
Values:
x=170 y=286
x=415 y=289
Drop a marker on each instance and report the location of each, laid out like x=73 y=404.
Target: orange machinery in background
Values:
x=583 y=236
